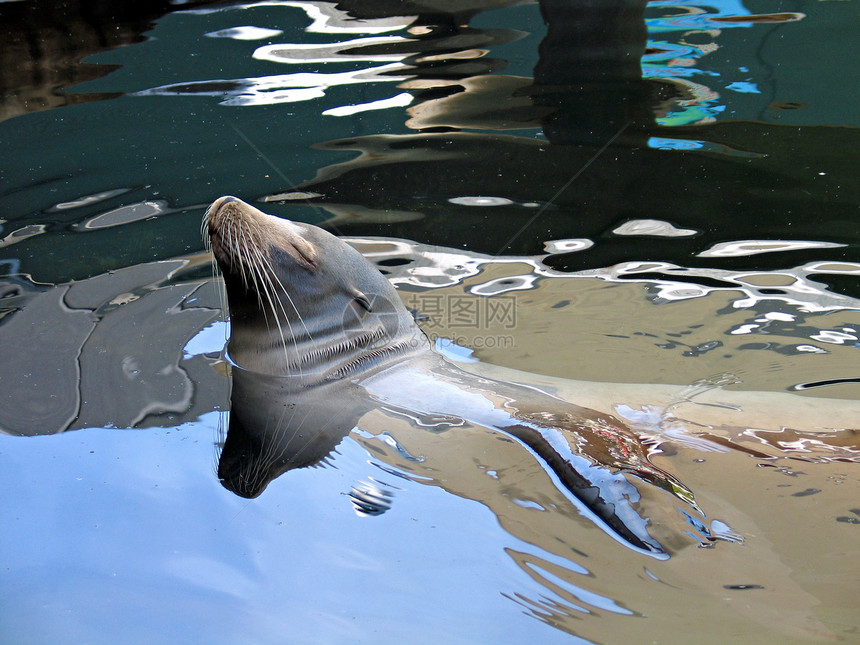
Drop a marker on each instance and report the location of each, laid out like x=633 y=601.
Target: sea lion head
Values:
x=302 y=302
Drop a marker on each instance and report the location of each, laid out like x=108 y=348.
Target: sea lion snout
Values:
x=212 y=213
x=242 y=236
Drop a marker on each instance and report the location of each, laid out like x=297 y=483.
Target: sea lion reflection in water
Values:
x=320 y=338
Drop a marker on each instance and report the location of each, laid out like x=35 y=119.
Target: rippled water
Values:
x=651 y=209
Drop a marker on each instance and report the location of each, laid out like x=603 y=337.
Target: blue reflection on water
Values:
x=683 y=60
x=114 y=535
x=744 y=87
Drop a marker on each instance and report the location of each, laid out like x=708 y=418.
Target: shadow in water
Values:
x=43 y=43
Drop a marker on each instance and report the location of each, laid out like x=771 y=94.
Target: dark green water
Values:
x=667 y=192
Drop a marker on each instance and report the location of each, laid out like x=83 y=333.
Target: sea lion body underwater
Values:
x=319 y=337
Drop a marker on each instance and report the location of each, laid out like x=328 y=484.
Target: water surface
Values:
x=658 y=194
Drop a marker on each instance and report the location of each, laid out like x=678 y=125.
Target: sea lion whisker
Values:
x=271 y=454
x=205 y=223
x=244 y=263
x=262 y=282
x=266 y=278
x=268 y=447
x=258 y=278
x=233 y=250
x=373 y=356
x=281 y=426
x=227 y=245
x=274 y=303
x=245 y=259
x=265 y=449
x=216 y=269
x=239 y=240
x=204 y=227
x=272 y=278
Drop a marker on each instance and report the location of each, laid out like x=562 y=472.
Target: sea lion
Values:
x=319 y=338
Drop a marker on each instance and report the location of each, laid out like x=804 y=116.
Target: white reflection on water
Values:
x=846 y=335
x=87 y=200
x=399 y=100
x=307 y=85
x=754 y=247
x=481 y=200
x=433 y=266
x=245 y=32
x=567 y=246
x=764 y=325
x=655 y=227
x=21 y=234
x=338 y=52
x=124 y=215
x=504 y=285
x=325 y=17
x=280 y=88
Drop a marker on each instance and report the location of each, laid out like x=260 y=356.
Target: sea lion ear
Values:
x=362 y=299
